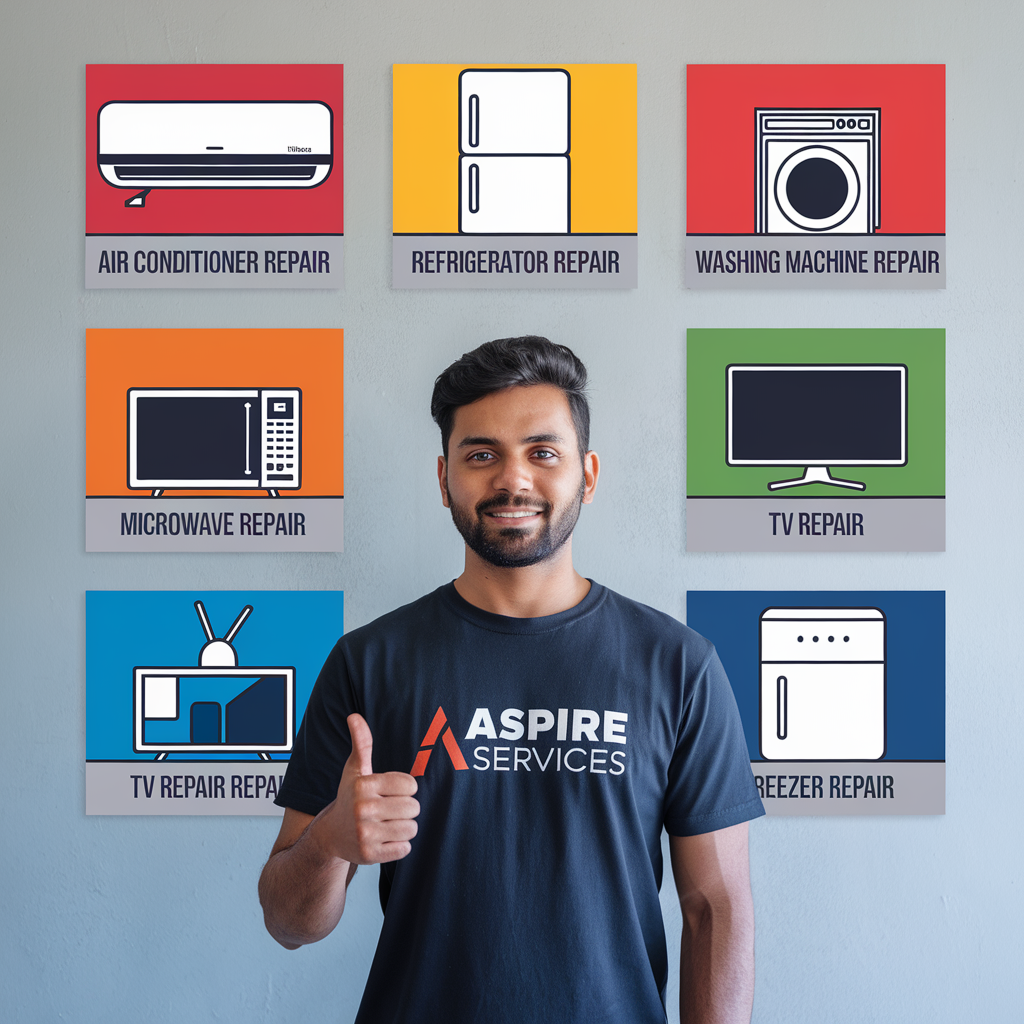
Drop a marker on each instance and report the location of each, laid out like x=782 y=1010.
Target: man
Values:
x=509 y=748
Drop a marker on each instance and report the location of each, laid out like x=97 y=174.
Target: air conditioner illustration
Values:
x=147 y=144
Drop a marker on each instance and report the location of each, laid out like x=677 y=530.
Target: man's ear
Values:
x=442 y=479
x=591 y=470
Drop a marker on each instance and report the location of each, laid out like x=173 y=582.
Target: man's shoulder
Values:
x=408 y=619
x=650 y=625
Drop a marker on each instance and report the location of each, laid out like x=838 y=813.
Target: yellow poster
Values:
x=514 y=176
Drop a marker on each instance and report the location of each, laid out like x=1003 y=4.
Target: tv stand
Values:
x=816 y=475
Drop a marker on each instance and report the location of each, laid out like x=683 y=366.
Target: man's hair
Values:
x=508 y=363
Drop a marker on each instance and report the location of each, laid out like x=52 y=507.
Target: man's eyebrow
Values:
x=468 y=442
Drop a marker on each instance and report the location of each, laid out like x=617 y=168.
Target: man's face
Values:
x=513 y=477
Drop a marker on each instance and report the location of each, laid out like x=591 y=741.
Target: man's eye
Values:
x=544 y=453
x=481 y=457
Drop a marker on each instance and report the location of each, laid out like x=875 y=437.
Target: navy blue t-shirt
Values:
x=550 y=752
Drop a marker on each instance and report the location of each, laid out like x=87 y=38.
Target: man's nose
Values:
x=514 y=474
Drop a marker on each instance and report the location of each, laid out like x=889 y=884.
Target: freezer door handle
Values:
x=474 y=188
x=781 y=707
x=474 y=120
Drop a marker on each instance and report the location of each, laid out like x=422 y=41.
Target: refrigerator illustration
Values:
x=514 y=166
x=822 y=684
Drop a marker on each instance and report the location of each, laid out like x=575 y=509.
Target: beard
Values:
x=512 y=547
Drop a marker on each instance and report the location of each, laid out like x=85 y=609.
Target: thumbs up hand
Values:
x=373 y=816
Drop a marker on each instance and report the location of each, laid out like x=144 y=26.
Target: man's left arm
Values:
x=716 y=968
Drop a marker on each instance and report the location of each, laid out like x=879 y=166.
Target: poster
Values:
x=815 y=176
x=815 y=440
x=214 y=440
x=841 y=694
x=514 y=176
x=193 y=697
x=214 y=176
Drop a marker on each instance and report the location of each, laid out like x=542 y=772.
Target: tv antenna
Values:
x=219 y=653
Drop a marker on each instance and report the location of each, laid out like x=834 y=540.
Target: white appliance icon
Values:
x=818 y=170
x=822 y=684
x=514 y=140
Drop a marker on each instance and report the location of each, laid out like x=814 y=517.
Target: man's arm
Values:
x=370 y=821
x=716 y=967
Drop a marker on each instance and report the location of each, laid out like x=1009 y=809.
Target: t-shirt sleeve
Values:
x=710 y=784
x=323 y=744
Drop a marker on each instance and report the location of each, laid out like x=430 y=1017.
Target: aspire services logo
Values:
x=439 y=723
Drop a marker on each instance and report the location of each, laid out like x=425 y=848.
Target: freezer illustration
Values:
x=216 y=707
x=245 y=438
x=822 y=684
x=514 y=174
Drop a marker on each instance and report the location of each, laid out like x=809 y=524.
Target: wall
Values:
x=119 y=919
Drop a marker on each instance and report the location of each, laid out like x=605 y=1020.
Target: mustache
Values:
x=519 y=501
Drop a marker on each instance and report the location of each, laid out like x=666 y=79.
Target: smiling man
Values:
x=510 y=748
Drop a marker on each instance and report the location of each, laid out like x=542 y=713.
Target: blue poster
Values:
x=193 y=698
x=841 y=694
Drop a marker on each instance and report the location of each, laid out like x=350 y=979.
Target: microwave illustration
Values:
x=514 y=175
x=217 y=707
x=822 y=684
x=217 y=438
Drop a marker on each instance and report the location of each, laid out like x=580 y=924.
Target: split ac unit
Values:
x=212 y=144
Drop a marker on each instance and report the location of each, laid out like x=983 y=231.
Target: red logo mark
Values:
x=440 y=722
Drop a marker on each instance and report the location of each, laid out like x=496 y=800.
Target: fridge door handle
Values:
x=474 y=120
x=474 y=188
x=781 y=707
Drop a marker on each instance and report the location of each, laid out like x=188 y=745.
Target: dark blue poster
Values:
x=841 y=694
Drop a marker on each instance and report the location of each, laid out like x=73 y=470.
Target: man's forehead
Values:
x=517 y=414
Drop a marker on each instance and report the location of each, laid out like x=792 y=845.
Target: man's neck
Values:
x=546 y=588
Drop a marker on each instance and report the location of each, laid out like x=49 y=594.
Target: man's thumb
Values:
x=362 y=744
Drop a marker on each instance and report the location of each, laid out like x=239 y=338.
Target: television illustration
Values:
x=217 y=438
x=217 y=707
x=822 y=684
x=816 y=416
x=146 y=144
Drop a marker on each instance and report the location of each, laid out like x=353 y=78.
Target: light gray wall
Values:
x=121 y=919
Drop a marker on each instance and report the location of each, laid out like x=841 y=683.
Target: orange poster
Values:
x=214 y=440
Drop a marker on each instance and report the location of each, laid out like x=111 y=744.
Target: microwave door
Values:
x=822 y=712
x=199 y=441
x=514 y=112
x=514 y=194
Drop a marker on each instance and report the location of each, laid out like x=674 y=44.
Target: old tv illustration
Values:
x=217 y=707
x=217 y=438
x=152 y=144
x=514 y=175
x=818 y=170
x=822 y=685
x=816 y=416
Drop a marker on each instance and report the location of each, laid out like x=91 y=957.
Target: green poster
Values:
x=815 y=439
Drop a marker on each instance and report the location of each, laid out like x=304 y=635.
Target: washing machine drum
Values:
x=817 y=188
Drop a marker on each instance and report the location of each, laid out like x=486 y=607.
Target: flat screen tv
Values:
x=816 y=415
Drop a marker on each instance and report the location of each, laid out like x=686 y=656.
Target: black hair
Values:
x=507 y=363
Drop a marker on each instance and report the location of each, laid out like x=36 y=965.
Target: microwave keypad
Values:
x=280 y=438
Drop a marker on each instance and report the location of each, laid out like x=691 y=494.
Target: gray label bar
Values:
x=213 y=524
x=514 y=261
x=797 y=788
x=183 y=787
x=815 y=524
x=214 y=261
x=815 y=261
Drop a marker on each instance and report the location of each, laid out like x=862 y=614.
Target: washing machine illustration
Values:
x=818 y=170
